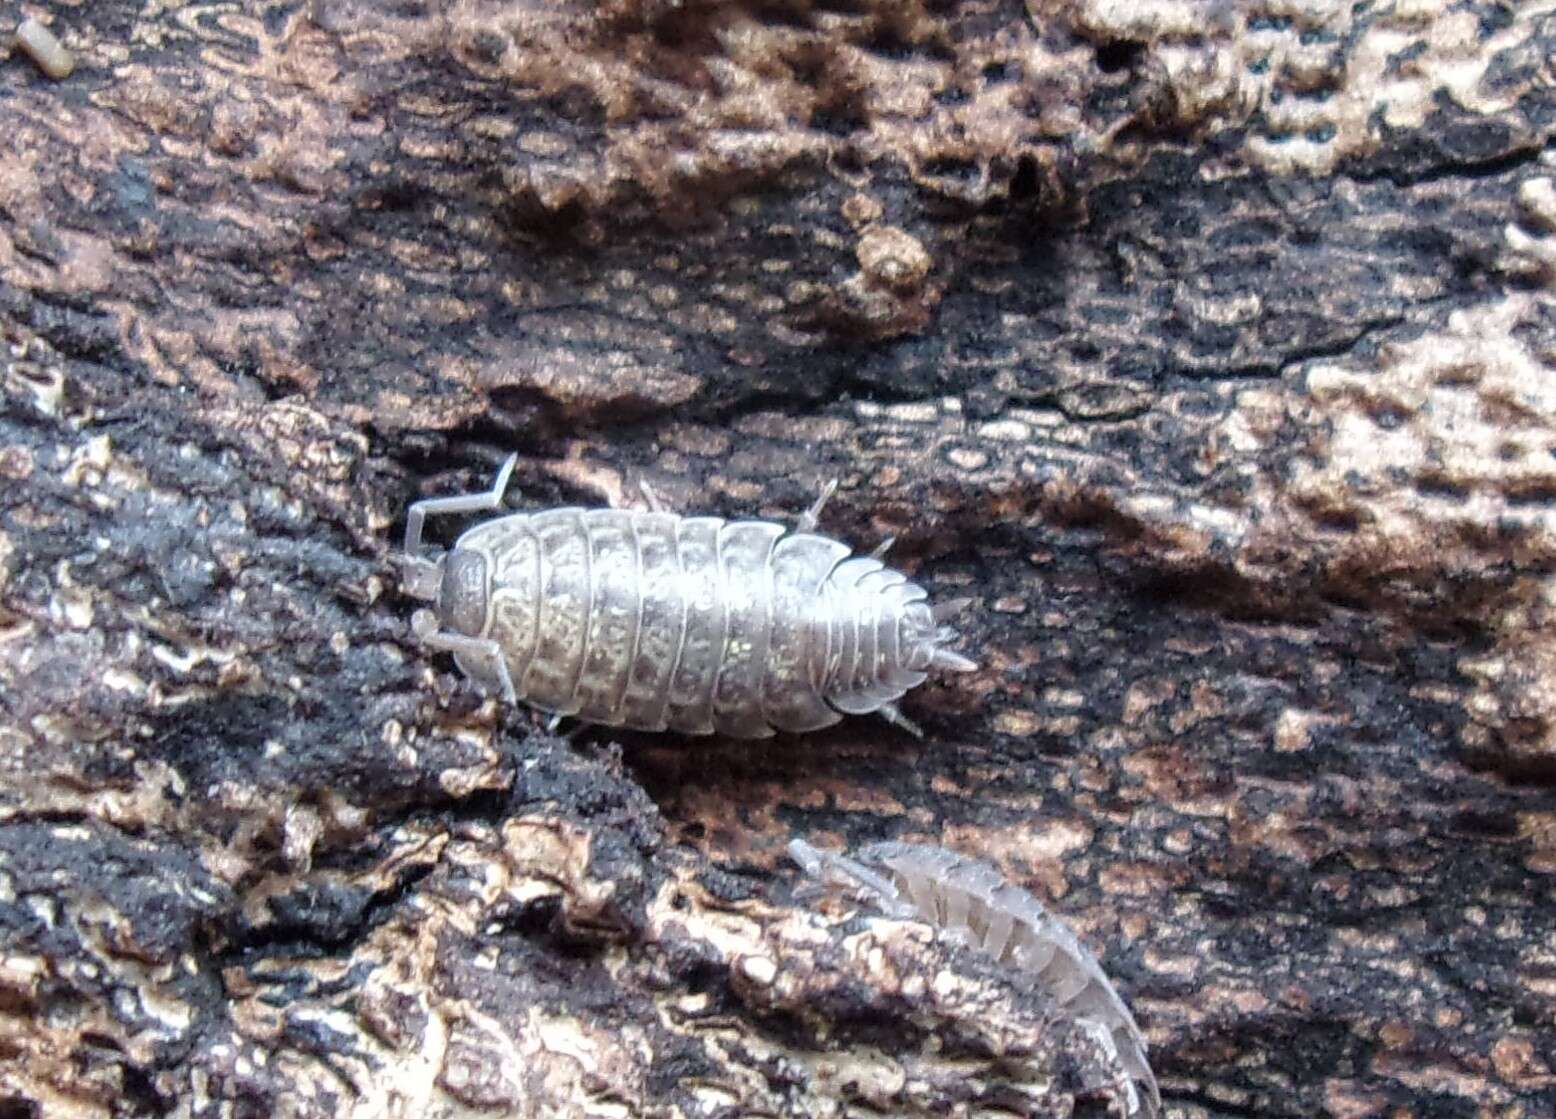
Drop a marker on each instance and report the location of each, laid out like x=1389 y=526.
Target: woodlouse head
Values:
x=828 y=870
x=462 y=594
x=455 y=583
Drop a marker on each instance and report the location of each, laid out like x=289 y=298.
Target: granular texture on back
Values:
x=654 y=621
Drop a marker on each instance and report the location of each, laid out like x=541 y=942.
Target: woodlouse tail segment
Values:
x=924 y=640
x=941 y=657
x=952 y=661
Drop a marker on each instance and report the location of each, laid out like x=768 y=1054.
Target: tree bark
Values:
x=1207 y=347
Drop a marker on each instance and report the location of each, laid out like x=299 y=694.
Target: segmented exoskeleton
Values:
x=654 y=621
x=973 y=903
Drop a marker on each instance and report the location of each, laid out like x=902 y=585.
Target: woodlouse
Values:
x=45 y=49
x=973 y=903
x=654 y=621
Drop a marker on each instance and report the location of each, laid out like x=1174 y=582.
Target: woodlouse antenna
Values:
x=416 y=517
x=828 y=866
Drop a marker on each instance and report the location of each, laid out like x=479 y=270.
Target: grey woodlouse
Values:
x=654 y=621
x=974 y=904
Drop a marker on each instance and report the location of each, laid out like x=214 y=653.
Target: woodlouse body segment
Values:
x=972 y=902
x=654 y=621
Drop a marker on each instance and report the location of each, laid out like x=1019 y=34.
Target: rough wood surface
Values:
x=1209 y=346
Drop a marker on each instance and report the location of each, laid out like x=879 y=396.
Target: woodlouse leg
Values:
x=459 y=503
x=652 y=498
x=896 y=718
x=551 y=721
x=424 y=625
x=882 y=548
x=812 y=516
x=1130 y=1100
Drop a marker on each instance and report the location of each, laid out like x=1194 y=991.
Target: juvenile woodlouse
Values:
x=44 y=49
x=654 y=621
x=972 y=902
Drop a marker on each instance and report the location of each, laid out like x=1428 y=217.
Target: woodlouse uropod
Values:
x=654 y=621
x=973 y=903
